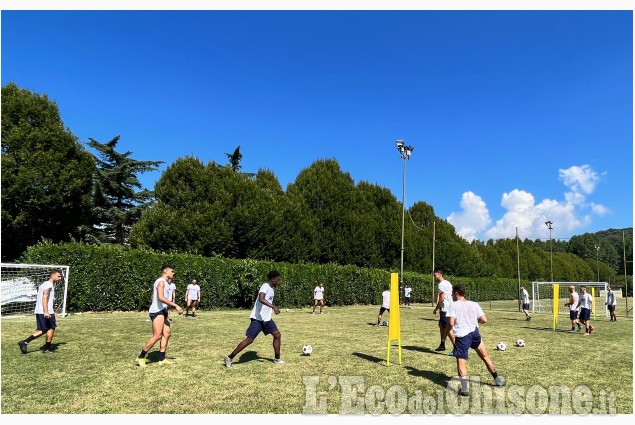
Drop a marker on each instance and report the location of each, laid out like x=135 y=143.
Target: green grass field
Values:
x=92 y=370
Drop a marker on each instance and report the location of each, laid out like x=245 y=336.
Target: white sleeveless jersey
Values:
x=574 y=304
x=157 y=305
x=39 y=306
x=586 y=301
x=170 y=288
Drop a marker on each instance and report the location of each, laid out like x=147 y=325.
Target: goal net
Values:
x=19 y=285
x=543 y=296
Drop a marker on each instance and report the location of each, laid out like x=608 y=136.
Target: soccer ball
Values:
x=385 y=323
x=501 y=346
x=520 y=343
x=307 y=350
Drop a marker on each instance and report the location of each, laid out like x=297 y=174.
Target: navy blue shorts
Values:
x=383 y=309
x=44 y=324
x=573 y=314
x=163 y=313
x=443 y=319
x=585 y=314
x=526 y=306
x=407 y=299
x=463 y=344
x=257 y=326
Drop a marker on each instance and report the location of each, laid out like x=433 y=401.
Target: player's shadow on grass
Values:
x=421 y=349
x=431 y=319
x=533 y=328
x=435 y=377
x=369 y=358
x=250 y=356
x=53 y=347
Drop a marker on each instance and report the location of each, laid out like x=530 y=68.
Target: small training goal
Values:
x=20 y=283
x=543 y=296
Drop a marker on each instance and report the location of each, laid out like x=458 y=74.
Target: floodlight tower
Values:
x=549 y=223
x=405 y=152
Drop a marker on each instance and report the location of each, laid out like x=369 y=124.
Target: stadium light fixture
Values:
x=549 y=226
x=405 y=152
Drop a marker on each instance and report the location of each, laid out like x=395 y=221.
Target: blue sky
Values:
x=516 y=117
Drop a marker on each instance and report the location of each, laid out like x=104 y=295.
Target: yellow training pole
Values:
x=556 y=301
x=394 y=324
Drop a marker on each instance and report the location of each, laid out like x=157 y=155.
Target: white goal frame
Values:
x=20 y=282
x=544 y=304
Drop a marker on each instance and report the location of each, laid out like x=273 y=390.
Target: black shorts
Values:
x=463 y=344
x=407 y=299
x=383 y=309
x=44 y=324
x=443 y=319
x=526 y=306
x=611 y=308
x=573 y=314
x=163 y=313
x=585 y=314
x=257 y=326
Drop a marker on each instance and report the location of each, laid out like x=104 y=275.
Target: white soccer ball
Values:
x=520 y=343
x=501 y=346
x=307 y=350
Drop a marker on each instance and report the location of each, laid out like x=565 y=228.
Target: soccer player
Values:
x=192 y=297
x=318 y=297
x=385 y=304
x=260 y=320
x=574 y=299
x=158 y=314
x=444 y=301
x=407 y=292
x=611 y=302
x=586 y=305
x=170 y=294
x=464 y=316
x=44 y=313
x=525 y=301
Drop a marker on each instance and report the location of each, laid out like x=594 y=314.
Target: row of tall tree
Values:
x=54 y=188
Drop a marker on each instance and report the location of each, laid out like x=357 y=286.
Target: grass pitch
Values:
x=93 y=371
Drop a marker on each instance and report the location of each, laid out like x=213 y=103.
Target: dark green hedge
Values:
x=113 y=277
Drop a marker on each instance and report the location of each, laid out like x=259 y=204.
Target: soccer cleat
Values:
x=499 y=382
x=228 y=362
x=591 y=329
x=141 y=362
x=165 y=362
x=440 y=348
x=585 y=334
x=23 y=346
x=278 y=361
x=573 y=330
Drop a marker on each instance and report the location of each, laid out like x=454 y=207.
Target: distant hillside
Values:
x=613 y=235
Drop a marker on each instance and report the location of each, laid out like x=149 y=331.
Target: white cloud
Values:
x=473 y=219
x=523 y=213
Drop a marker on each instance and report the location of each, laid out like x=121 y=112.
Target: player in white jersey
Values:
x=574 y=300
x=444 y=301
x=385 y=304
x=586 y=305
x=192 y=297
x=170 y=294
x=44 y=313
x=261 y=320
x=318 y=297
x=524 y=296
x=158 y=314
x=407 y=293
x=611 y=302
x=464 y=316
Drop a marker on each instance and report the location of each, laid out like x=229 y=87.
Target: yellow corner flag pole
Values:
x=556 y=299
x=394 y=324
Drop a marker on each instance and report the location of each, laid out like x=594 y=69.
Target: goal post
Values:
x=19 y=284
x=546 y=300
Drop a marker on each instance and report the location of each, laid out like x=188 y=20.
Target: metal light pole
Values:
x=405 y=152
x=597 y=259
x=549 y=223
